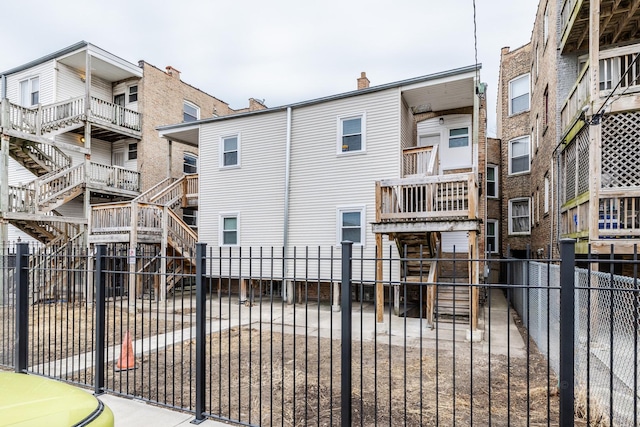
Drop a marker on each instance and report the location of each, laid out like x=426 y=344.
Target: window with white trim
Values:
x=191 y=112
x=190 y=163
x=458 y=137
x=546 y=194
x=30 y=92
x=492 y=236
x=519 y=94
x=351 y=225
x=519 y=152
x=230 y=151
x=229 y=229
x=133 y=93
x=351 y=134
x=492 y=181
x=545 y=24
x=190 y=217
x=133 y=151
x=519 y=216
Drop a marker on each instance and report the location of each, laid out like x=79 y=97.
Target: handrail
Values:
x=61 y=113
x=115 y=114
x=146 y=195
x=418 y=160
x=181 y=234
x=425 y=197
x=114 y=176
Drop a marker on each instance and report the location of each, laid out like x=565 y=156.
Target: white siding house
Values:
x=299 y=173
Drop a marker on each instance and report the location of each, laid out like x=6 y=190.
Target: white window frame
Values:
x=132 y=149
x=495 y=181
x=223 y=152
x=222 y=217
x=450 y=137
x=351 y=209
x=515 y=140
x=185 y=164
x=190 y=213
x=546 y=194
x=496 y=233
x=517 y=200
x=545 y=24
x=191 y=105
x=511 y=97
x=29 y=82
x=363 y=134
x=133 y=93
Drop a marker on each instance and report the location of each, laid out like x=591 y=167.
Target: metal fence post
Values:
x=99 y=278
x=201 y=331
x=22 y=307
x=567 y=321
x=345 y=380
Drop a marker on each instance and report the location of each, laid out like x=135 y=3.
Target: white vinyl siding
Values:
x=46 y=75
x=322 y=180
x=457 y=241
x=256 y=190
x=69 y=82
x=450 y=157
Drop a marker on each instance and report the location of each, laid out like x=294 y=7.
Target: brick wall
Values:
x=161 y=99
x=512 y=64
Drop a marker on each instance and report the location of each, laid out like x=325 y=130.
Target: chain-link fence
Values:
x=606 y=334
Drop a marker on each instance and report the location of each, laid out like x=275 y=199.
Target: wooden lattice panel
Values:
x=569 y=168
x=582 y=139
x=620 y=150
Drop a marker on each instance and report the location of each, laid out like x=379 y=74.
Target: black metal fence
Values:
x=265 y=337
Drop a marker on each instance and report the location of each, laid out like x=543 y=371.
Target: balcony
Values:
x=69 y=115
x=617 y=23
x=408 y=204
x=616 y=74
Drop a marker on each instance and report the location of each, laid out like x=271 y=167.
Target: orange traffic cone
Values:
x=127 y=360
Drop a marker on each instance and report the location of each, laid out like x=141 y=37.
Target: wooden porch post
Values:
x=473 y=276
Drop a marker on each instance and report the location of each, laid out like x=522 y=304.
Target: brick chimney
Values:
x=173 y=72
x=363 y=81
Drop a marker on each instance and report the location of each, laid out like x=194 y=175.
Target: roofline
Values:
x=91 y=48
x=372 y=89
x=47 y=58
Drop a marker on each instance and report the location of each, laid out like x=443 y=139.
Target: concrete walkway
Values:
x=130 y=412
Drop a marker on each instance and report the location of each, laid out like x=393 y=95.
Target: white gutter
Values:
x=287 y=175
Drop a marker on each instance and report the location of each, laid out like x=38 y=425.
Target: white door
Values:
x=117 y=158
x=432 y=140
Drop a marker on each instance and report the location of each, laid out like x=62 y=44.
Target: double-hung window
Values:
x=492 y=236
x=133 y=93
x=492 y=181
x=519 y=94
x=351 y=225
x=352 y=135
x=133 y=151
x=519 y=152
x=458 y=137
x=519 y=216
x=191 y=112
x=190 y=163
x=229 y=229
x=190 y=217
x=30 y=92
x=230 y=151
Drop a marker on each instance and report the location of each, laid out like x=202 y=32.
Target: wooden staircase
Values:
x=453 y=299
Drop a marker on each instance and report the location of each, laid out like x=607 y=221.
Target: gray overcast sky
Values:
x=282 y=51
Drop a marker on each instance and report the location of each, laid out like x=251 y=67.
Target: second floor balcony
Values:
x=114 y=121
x=618 y=71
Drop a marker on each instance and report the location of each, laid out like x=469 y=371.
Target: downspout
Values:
x=287 y=292
x=3 y=87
